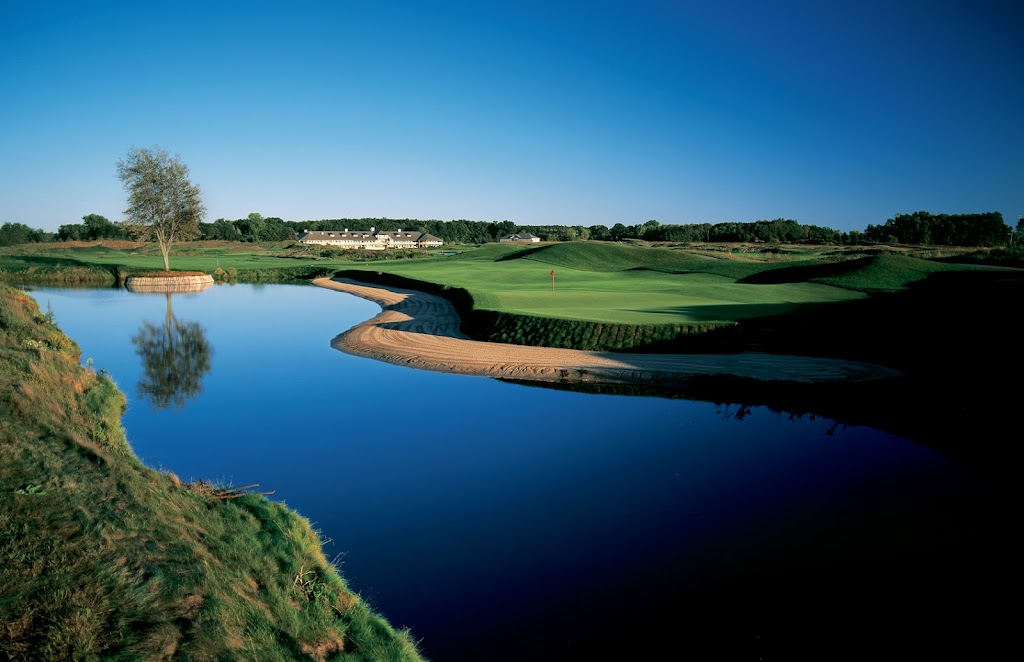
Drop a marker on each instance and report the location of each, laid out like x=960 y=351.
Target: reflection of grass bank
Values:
x=104 y=557
x=967 y=427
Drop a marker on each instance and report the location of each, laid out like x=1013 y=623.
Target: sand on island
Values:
x=421 y=330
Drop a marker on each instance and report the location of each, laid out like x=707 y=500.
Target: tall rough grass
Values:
x=60 y=274
x=105 y=558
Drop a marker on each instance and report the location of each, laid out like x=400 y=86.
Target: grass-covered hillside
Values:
x=605 y=295
x=594 y=281
x=626 y=284
x=105 y=558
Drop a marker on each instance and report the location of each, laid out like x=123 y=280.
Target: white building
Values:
x=522 y=236
x=370 y=239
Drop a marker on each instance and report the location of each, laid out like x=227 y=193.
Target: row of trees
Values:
x=12 y=234
x=254 y=228
x=921 y=228
x=945 y=229
x=92 y=228
x=164 y=205
x=480 y=232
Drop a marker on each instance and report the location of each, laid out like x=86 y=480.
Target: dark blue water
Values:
x=501 y=521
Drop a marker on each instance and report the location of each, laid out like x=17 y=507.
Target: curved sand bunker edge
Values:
x=421 y=330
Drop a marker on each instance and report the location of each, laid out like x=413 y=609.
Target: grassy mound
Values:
x=612 y=257
x=587 y=256
x=885 y=272
x=681 y=285
x=489 y=253
x=888 y=272
x=105 y=558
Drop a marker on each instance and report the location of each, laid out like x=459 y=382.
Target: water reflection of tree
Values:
x=175 y=356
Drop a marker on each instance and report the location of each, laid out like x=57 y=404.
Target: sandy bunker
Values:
x=421 y=330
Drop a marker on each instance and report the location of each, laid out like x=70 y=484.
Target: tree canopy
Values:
x=922 y=227
x=12 y=234
x=93 y=226
x=162 y=203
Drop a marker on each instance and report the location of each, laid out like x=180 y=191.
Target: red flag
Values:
x=552 y=272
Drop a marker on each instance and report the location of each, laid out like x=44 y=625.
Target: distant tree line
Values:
x=922 y=228
x=774 y=231
x=481 y=232
x=253 y=228
x=12 y=234
x=458 y=231
x=92 y=228
x=925 y=228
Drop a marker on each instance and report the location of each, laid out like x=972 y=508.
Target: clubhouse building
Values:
x=522 y=236
x=371 y=239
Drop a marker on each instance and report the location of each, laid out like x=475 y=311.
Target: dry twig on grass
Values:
x=204 y=488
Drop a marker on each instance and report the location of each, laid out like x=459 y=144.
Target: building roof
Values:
x=371 y=234
x=334 y=234
x=401 y=235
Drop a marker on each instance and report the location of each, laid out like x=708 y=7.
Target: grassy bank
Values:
x=105 y=558
x=627 y=298
x=605 y=296
x=110 y=262
x=948 y=325
x=617 y=283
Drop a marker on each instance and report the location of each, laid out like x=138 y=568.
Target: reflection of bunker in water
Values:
x=169 y=284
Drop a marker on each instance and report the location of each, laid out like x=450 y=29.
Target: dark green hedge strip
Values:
x=596 y=336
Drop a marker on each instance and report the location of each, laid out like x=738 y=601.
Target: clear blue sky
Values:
x=597 y=112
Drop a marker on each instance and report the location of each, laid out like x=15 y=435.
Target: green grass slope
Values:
x=888 y=272
x=597 y=282
x=613 y=283
x=625 y=284
x=885 y=272
x=607 y=257
x=105 y=558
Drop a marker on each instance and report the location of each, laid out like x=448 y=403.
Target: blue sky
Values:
x=574 y=113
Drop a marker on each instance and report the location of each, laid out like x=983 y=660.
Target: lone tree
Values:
x=162 y=203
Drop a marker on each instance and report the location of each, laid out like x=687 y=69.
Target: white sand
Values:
x=422 y=331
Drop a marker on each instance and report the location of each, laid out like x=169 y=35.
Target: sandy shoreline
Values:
x=421 y=330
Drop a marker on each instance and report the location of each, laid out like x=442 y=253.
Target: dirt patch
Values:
x=119 y=244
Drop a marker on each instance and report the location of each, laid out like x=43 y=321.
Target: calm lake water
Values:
x=502 y=521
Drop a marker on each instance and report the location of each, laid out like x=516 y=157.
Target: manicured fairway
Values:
x=638 y=297
x=597 y=281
